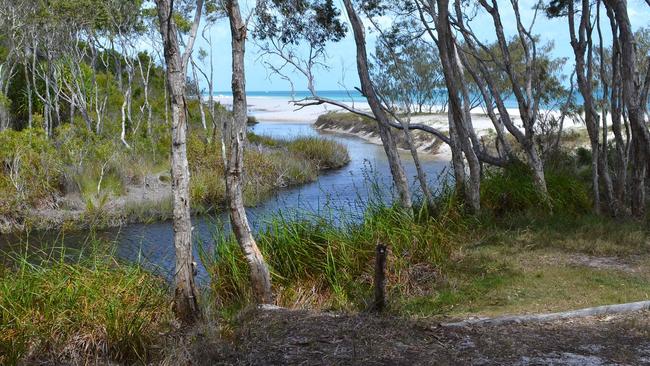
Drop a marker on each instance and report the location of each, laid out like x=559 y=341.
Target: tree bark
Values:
x=185 y=294
x=383 y=120
x=259 y=272
x=457 y=109
x=634 y=104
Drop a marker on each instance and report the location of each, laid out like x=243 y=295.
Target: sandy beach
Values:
x=281 y=109
x=272 y=109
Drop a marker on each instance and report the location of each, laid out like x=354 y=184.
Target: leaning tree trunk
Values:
x=259 y=272
x=388 y=141
x=421 y=174
x=185 y=295
x=446 y=46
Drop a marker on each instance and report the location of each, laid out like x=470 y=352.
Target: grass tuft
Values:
x=74 y=310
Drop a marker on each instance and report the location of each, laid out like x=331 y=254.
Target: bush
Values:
x=31 y=171
x=511 y=190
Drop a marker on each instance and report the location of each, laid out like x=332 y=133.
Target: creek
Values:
x=343 y=191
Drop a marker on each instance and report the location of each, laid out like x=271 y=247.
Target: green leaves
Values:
x=294 y=21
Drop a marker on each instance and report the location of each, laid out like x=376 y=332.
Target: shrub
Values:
x=511 y=190
x=31 y=171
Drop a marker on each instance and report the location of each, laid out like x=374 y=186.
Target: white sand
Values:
x=277 y=109
x=272 y=109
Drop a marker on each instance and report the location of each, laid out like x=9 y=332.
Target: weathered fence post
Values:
x=380 y=278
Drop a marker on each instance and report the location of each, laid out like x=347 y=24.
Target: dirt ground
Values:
x=284 y=337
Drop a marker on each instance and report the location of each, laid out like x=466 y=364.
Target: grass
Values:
x=72 y=309
x=317 y=263
x=519 y=256
x=325 y=153
x=270 y=163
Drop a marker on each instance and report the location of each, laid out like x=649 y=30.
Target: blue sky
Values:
x=341 y=56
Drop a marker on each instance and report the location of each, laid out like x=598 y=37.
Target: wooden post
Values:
x=380 y=278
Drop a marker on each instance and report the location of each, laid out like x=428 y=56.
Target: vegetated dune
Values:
x=343 y=122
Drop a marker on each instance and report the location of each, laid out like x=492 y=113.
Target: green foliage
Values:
x=292 y=22
x=326 y=153
x=511 y=191
x=274 y=164
x=31 y=171
x=407 y=72
x=90 y=308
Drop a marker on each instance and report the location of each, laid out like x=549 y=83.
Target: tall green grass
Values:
x=318 y=261
x=75 y=309
x=326 y=259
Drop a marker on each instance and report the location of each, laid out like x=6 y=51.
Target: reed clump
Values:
x=71 y=310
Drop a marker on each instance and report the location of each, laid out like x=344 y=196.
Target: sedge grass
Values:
x=72 y=309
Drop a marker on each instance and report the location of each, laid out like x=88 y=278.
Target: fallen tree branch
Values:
x=538 y=318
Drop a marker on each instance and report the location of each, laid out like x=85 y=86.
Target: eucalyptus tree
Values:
x=12 y=25
x=435 y=19
x=405 y=78
x=524 y=83
x=635 y=88
x=185 y=294
x=582 y=42
x=614 y=83
x=234 y=137
x=407 y=70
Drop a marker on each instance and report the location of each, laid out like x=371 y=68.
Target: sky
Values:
x=341 y=73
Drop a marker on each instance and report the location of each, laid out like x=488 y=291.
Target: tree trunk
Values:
x=458 y=164
x=259 y=272
x=185 y=295
x=397 y=170
x=458 y=113
x=422 y=176
x=199 y=98
x=634 y=105
x=615 y=106
x=30 y=102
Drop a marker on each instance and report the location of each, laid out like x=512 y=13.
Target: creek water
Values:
x=336 y=192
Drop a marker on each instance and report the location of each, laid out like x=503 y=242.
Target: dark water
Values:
x=335 y=191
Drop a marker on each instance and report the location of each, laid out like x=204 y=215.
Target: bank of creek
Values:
x=340 y=190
